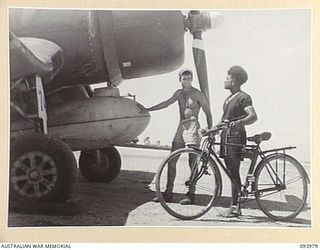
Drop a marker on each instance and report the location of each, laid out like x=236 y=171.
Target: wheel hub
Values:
x=101 y=164
x=34 y=175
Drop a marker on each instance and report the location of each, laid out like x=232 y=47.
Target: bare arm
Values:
x=164 y=104
x=205 y=106
x=249 y=119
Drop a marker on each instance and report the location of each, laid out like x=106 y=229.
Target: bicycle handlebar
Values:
x=216 y=129
x=223 y=125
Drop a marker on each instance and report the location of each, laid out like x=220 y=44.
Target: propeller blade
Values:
x=198 y=22
x=199 y=57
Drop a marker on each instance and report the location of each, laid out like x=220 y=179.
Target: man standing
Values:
x=237 y=108
x=190 y=101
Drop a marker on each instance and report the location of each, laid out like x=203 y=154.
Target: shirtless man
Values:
x=190 y=101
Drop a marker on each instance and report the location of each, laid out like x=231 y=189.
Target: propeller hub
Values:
x=201 y=21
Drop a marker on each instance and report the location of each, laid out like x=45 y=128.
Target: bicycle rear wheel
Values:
x=281 y=187
x=194 y=173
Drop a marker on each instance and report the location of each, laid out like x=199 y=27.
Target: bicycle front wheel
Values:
x=188 y=172
x=281 y=187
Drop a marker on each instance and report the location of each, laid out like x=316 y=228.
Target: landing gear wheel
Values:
x=42 y=169
x=104 y=169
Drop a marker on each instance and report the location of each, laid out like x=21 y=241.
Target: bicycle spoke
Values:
x=204 y=188
x=193 y=174
x=284 y=173
x=294 y=180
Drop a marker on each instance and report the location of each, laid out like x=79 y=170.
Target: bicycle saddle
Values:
x=265 y=136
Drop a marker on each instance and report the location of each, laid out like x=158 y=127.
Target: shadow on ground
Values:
x=109 y=204
x=251 y=204
x=93 y=204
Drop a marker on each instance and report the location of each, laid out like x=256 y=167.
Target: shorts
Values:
x=232 y=136
x=187 y=132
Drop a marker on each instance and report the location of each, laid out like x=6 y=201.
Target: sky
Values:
x=274 y=46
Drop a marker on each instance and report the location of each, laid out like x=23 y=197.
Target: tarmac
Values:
x=127 y=201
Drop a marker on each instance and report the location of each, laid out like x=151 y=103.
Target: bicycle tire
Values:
x=207 y=188
x=288 y=201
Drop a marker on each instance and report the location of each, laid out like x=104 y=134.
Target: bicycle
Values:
x=278 y=181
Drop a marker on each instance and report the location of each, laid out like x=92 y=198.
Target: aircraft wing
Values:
x=30 y=55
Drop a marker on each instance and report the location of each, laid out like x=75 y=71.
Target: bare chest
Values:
x=188 y=100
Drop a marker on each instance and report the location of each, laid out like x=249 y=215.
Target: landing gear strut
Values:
x=42 y=168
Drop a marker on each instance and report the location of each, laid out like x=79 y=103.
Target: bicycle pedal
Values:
x=206 y=173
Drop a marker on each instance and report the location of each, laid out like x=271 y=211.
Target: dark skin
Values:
x=233 y=164
x=231 y=84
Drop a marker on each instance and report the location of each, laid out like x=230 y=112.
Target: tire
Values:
x=42 y=169
x=105 y=171
x=207 y=188
x=289 y=199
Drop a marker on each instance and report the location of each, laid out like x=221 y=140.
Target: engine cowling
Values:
x=104 y=45
x=92 y=123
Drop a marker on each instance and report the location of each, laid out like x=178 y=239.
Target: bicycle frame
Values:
x=255 y=152
x=277 y=180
